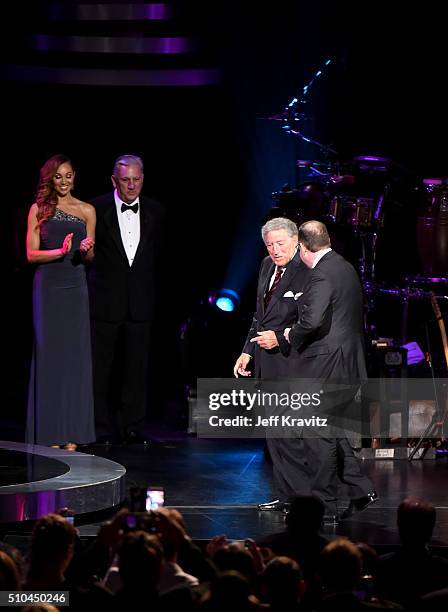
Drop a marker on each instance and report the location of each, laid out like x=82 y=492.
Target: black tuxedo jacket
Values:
x=280 y=313
x=328 y=334
x=119 y=292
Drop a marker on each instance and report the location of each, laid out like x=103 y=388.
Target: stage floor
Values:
x=216 y=484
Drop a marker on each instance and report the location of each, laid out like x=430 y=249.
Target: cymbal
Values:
x=406 y=293
x=380 y=166
x=434 y=182
x=342 y=179
x=373 y=159
x=426 y=280
x=373 y=164
x=306 y=163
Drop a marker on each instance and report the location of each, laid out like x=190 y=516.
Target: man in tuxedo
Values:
x=281 y=281
x=122 y=300
x=328 y=338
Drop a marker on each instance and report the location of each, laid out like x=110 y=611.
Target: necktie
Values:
x=277 y=279
x=125 y=207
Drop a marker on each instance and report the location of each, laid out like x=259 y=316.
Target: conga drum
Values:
x=432 y=228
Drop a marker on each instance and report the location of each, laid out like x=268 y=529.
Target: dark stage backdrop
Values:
x=211 y=156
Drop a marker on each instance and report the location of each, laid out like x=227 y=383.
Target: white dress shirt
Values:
x=319 y=256
x=129 y=223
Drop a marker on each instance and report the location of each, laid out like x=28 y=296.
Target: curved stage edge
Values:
x=36 y=480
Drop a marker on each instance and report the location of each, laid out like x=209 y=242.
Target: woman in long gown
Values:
x=60 y=239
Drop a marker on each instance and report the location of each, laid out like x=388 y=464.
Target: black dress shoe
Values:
x=360 y=504
x=274 y=506
x=133 y=437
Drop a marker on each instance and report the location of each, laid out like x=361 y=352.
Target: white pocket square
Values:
x=289 y=294
x=297 y=295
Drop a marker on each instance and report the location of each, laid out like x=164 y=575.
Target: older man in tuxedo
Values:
x=122 y=292
x=328 y=338
x=267 y=353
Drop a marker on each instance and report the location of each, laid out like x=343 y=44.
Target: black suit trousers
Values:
x=121 y=350
x=332 y=457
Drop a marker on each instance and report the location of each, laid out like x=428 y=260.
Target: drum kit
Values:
x=349 y=198
x=379 y=217
x=355 y=200
x=393 y=228
x=432 y=227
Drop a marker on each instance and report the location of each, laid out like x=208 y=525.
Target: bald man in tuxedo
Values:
x=328 y=338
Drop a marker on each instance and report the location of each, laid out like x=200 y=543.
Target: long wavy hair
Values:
x=46 y=197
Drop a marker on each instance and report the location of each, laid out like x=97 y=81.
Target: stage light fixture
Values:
x=226 y=300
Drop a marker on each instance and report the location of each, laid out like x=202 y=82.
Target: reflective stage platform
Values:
x=35 y=480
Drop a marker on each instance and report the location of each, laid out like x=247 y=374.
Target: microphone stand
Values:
x=326 y=149
x=291 y=115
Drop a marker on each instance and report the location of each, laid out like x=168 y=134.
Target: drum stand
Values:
x=367 y=276
x=368 y=245
x=404 y=317
x=367 y=270
x=368 y=273
x=436 y=426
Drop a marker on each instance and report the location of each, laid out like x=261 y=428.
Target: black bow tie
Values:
x=125 y=207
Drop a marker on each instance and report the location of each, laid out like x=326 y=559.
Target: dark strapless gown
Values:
x=60 y=396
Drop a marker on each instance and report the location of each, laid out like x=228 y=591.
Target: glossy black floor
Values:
x=217 y=483
x=16 y=468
